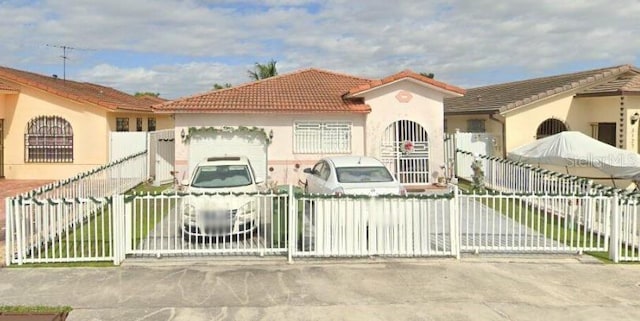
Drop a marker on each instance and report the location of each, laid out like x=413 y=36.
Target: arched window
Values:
x=48 y=139
x=550 y=127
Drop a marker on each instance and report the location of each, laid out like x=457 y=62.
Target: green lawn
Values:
x=149 y=213
x=34 y=309
x=97 y=228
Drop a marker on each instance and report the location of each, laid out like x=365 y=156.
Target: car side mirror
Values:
x=307 y=171
x=185 y=182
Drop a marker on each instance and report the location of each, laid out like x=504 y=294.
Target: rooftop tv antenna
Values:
x=64 y=57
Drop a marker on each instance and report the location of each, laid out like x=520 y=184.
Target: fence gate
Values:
x=534 y=223
x=405 y=151
x=161 y=146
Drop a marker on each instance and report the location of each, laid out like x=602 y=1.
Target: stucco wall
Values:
x=89 y=127
x=2 y=106
x=579 y=114
x=633 y=131
x=280 y=152
x=459 y=122
x=163 y=121
x=521 y=124
x=406 y=100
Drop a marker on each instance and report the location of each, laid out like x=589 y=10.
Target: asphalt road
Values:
x=484 y=288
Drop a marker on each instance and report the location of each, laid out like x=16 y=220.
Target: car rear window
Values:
x=217 y=176
x=363 y=174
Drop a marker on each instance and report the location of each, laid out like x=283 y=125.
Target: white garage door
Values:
x=254 y=148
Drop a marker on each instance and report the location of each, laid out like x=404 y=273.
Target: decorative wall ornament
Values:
x=235 y=130
x=404 y=96
x=406 y=147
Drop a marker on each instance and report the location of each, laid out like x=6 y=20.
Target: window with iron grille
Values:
x=322 y=137
x=476 y=126
x=139 y=124
x=48 y=139
x=122 y=124
x=151 y=124
x=550 y=127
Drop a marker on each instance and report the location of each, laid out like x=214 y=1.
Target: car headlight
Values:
x=246 y=210
x=189 y=211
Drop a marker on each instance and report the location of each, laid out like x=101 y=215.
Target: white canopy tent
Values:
x=580 y=155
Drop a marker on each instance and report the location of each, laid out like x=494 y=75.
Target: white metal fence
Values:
x=299 y=225
x=364 y=226
x=532 y=223
x=60 y=230
x=614 y=221
x=73 y=219
x=515 y=177
x=103 y=181
x=179 y=224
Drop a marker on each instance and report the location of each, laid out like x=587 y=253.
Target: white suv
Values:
x=209 y=216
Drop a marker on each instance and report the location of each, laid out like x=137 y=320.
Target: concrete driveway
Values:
x=485 y=288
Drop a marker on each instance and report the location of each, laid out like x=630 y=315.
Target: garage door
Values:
x=255 y=148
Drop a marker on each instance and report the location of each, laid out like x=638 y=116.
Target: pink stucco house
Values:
x=286 y=123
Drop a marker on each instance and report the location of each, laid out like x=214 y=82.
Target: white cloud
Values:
x=182 y=47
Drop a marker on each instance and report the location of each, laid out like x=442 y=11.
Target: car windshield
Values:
x=218 y=176
x=363 y=174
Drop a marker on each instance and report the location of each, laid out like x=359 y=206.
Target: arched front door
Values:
x=405 y=151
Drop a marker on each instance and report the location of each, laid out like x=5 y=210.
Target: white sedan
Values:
x=351 y=175
x=350 y=226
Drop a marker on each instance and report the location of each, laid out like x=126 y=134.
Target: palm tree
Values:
x=262 y=71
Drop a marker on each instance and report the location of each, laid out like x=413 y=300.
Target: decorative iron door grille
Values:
x=405 y=151
x=49 y=139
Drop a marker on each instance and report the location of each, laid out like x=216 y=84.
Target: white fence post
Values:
x=119 y=240
x=8 y=247
x=128 y=225
x=291 y=233
x=454 y=222
x=18 y=215
x=614 y=243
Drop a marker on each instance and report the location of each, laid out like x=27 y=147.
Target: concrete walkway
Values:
x=485 y=288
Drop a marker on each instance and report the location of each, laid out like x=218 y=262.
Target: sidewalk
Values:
x=511 y=288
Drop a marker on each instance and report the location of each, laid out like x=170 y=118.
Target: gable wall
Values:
x=425 y=107
x=521 y=124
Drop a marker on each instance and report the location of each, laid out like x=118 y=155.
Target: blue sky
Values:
x=180 y=48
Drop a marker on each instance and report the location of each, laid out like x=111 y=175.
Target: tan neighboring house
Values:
x=288 y=122
x=52 y=128
x=603 y=103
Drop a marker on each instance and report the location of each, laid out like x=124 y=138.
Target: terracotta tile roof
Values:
x=309 y=90
x=6 y=86
x=507 y=96
x=405 y=74
x=79 y=91
x=152 y=100
x=625 y=84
